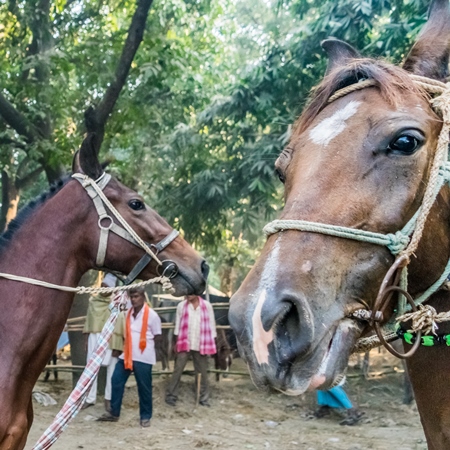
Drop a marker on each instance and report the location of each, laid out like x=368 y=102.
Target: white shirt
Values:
x=147 y=356
x=194 y=323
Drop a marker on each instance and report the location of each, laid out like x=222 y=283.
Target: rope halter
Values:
x=94 y=189
x=403 y=243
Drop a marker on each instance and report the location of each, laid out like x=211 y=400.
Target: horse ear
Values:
x=76 y=168
x=339 y=53
x=429 y=55
x=86 y=159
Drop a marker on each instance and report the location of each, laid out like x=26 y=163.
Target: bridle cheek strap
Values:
x=164 y=268
x=106 y=224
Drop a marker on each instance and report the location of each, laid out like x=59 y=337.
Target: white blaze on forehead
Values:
x=261 y=337
x=332 y=126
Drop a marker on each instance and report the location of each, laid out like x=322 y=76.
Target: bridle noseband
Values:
x=403 y=243
x=106 y=223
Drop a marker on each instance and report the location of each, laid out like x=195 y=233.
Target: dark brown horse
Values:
x=56 y=239
x=361 y=161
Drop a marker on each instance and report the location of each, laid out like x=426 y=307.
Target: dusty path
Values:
x=241 y=417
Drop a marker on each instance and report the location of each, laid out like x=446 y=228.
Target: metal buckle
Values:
x=154 y=248
x=107 y=218
x=167 y=269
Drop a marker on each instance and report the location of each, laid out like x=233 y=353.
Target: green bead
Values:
x=408 y=338
x=428 y=341
x=447 y=339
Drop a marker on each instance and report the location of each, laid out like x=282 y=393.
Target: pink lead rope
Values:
x=77 y=397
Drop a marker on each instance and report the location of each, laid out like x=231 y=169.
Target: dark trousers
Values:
x=143 y=375
x=200 y=366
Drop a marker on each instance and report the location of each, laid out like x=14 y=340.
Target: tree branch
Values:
x=9 y=141
x=25 y=181
x=95 y=119
x=17 y=120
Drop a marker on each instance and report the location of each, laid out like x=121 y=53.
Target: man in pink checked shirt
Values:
x=195 y=331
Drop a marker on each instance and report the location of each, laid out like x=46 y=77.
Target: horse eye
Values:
x=280 y=175
x=136 y=205
x=406 y=144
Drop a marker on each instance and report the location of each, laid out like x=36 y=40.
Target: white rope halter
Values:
x=405 y=241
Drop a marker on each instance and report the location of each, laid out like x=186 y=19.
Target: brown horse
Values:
x=361 y=161
x=55 y=239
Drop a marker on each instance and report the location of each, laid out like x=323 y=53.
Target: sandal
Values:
x=322 y=411
x=87 y=405
x=107 y=417
x=353 y=417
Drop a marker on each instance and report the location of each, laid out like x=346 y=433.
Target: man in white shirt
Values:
x=97 y=315
x=195 y=331
x=142 y=328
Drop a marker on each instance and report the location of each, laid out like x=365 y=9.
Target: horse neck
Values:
x=53 y=244
x=433 y=252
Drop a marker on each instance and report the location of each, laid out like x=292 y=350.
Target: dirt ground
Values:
x=241 y=417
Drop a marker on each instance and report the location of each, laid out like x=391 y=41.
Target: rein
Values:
x=404 y=242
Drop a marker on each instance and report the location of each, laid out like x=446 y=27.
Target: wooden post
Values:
x=199 y=383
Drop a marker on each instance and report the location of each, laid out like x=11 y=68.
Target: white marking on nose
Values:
x=261 y=337
x=329 y=128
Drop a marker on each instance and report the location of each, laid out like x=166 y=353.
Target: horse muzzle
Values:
x=289 y=348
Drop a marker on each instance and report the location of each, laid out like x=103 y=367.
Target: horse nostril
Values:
x=290 y=321
x=205 y=269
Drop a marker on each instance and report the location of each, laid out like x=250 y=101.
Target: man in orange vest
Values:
x=142 y=328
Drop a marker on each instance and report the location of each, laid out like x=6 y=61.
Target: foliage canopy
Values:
x=205 y=109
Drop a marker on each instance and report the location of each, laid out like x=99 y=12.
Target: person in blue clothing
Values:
x=336 y=398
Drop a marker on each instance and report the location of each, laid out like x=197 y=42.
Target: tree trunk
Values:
x=225 y=279
x=10 y=200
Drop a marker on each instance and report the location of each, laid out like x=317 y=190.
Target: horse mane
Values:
x=391 y=80
x=26 y=211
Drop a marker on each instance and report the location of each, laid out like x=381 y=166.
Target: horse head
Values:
x=359 y=160
x=113 y=248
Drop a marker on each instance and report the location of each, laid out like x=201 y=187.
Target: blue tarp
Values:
x=63 y=340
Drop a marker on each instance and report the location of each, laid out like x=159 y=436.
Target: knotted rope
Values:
x=425 y=319
x=394 y=242
x=364 y=345
x=164 y=281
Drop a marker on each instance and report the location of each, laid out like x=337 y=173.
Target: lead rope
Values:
x=164 y=281
x=78 y=396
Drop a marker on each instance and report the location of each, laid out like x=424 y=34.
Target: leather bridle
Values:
x=106 y=211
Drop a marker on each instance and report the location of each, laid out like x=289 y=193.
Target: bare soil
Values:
x=241 y=417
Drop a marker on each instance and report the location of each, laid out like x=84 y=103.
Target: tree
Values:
x=224 y=186
x=36 y=124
